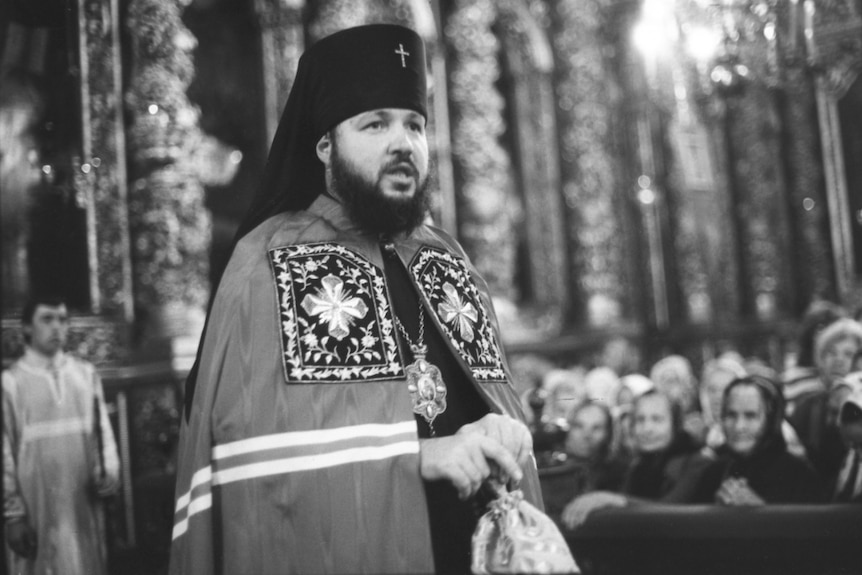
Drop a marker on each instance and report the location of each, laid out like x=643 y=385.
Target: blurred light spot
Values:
x=808 y=204
x=153 y=109
x=236 y=156
x=702 y=43
x=646 y=196
x=644 y=181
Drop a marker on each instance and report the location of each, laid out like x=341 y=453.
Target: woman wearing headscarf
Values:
x=753 y=466
x=717 y=374
x=803 y=379
x=590 y=462
x=664 y=456
x=632 y=386
x=674 y=376
x=835 y=348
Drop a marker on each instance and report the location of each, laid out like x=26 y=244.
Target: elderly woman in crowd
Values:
x=835 y=349
x=664 y=455
x=674 y=376
x=753 y=466
x=803 y=378
x=632 y=386
x=590 y=462
x=715 y=377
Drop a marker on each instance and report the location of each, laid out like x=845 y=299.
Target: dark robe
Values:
x=774 y=474
x=563 y=483
x=654 y=476
x=822 y=441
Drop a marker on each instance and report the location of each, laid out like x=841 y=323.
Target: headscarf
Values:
x=675 y=370
x=772 y=439
x=637 y=384
x=603 y=385
x=770 y=471
x=710 y=368
x=352 y=71
x=647 y=476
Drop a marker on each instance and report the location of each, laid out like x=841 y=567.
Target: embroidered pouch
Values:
x=515 y=537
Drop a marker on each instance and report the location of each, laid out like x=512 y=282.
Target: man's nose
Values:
x=401 y=142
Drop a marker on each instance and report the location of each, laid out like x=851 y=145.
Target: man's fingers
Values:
x=502 y=457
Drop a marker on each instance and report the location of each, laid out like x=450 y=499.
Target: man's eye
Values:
x=378 y=125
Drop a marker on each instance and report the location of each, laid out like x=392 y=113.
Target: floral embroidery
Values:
x=462 y=314
x=335 y=317
x=446 y=283
x=334 y=305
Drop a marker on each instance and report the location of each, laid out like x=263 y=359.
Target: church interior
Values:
x=633 y=178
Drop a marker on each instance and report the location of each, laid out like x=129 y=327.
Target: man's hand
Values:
x=466 y=460
x=736 y=491
x=21 y=538
x=577 y=511
x=513 y=435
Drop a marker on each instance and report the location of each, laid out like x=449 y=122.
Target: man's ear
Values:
x=324 y=148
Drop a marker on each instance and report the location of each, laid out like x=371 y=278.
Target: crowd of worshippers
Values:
x=737 y=433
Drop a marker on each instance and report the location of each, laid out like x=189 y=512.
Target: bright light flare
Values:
x=656 y=31
x=702 y=43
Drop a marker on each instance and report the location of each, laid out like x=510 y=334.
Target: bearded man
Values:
x=350 y=396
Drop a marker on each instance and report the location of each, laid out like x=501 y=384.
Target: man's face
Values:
x=378 y=163
x=49 y=329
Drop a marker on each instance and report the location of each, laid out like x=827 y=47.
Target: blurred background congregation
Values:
x=663 y=195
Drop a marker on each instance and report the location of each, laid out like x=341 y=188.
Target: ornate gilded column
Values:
x=101 y=173
x=170 y=227
x=586 y=107
x=530 y=63
x=808 y=206
x=282 y=43
x=754 y=132
x=482 y=166
x=833 y=43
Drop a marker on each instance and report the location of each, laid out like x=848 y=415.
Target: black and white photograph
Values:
x=431 y=286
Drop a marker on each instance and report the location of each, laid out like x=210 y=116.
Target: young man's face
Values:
x=378 y=163
x=48 y=329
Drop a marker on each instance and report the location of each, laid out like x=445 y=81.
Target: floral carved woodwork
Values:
x=169 y=225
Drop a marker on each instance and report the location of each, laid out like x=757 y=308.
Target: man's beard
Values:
x=369 y=207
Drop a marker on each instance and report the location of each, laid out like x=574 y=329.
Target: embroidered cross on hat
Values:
x=400 y=51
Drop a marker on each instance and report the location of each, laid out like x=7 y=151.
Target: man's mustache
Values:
x=401 y=165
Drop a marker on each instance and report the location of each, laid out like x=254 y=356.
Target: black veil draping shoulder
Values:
x=350 y=72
